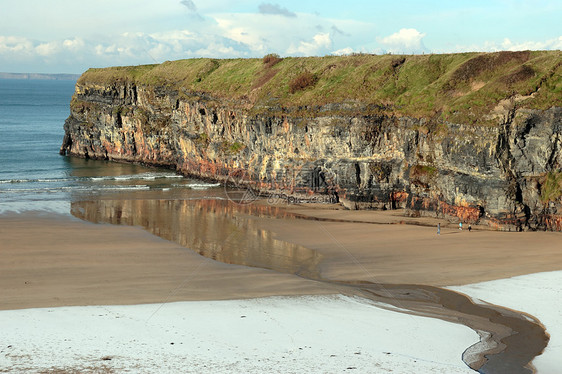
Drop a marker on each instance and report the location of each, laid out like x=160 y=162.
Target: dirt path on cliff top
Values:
x=117 y=265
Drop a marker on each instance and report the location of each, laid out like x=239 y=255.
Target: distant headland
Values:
x=55 y=77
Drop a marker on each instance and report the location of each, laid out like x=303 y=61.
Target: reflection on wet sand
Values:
x=216 y=229
x=226 y=232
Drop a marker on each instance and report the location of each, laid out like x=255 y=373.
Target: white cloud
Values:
x=306 y=34
x=14 y=45
x=404 y=41
x=320 y=44
x=551 y=44
x=322 y=40
x=47 y=49
x=508 y=45
x=176 y=40
x=73 y=44
x=190 y=31
x=217 y=50
x=343 y=51
x=73 y=35
x=239 y=35
x=244 y=33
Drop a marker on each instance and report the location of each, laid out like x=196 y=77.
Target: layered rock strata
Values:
x=498 y=175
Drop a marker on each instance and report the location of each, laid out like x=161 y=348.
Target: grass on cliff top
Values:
x=462 y=87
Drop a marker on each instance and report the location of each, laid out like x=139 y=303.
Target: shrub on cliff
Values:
x=551 y=188
x=231 y=148
x=422 y=175
x=271 y=59
x=302 y=81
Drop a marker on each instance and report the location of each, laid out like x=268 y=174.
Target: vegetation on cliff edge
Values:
x=462 y=88
x=551 y=188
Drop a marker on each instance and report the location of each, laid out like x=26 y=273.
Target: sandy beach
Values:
x=51 y=261
x=386 y=247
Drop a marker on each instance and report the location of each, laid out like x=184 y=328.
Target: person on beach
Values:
x=460 y=226
x=469 y=228
x=438 y=229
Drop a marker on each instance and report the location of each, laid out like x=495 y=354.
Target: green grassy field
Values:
x=461 y=88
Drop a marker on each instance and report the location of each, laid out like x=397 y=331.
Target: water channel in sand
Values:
x=228 y=232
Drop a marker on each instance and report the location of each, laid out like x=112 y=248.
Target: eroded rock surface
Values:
x=495 y=175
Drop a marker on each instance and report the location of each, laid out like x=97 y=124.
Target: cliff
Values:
x=471 y=136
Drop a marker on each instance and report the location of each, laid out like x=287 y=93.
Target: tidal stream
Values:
x=228 y=232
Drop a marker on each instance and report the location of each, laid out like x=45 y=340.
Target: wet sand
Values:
x=392 y=248
x=50 y=261
x=54 y=261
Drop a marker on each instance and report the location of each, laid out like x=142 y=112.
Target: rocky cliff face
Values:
x=506 y=175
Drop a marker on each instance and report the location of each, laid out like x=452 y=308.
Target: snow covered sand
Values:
x=275 y=334
x=537 y=294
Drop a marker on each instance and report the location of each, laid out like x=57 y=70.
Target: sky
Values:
x=70 y=36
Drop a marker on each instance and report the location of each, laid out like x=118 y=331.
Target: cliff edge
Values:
x=473 y=136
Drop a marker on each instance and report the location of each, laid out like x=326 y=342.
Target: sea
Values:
x=34 y=177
